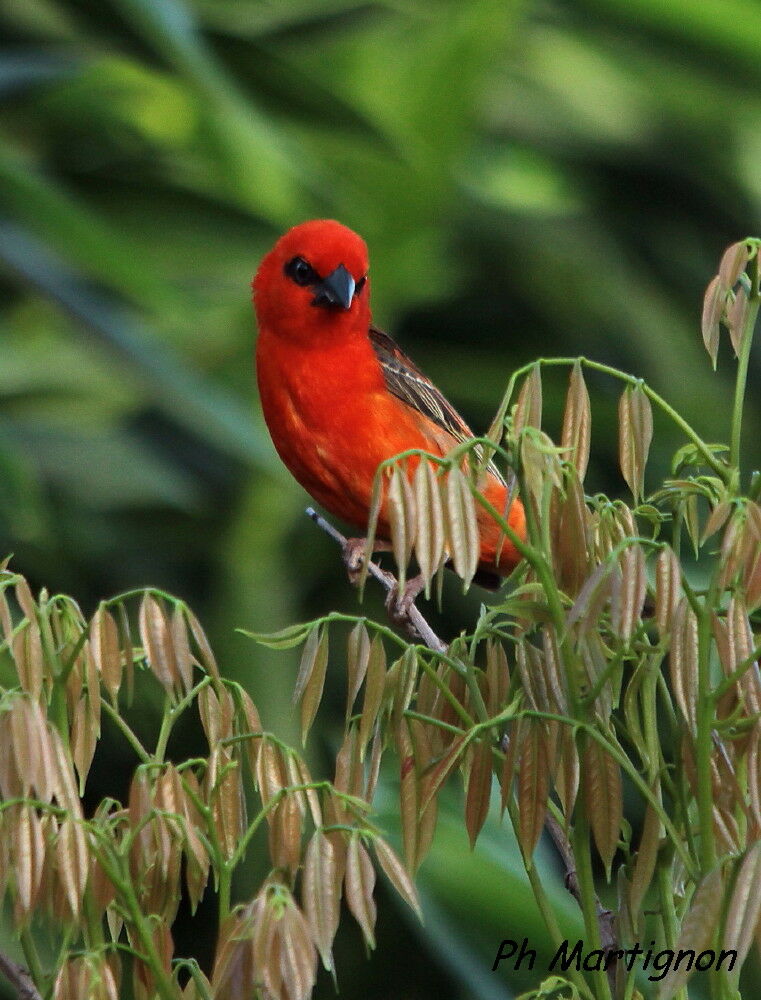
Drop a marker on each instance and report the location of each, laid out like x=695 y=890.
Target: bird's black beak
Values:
x=335 y=290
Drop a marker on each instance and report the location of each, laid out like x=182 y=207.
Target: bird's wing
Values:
x=405 y=381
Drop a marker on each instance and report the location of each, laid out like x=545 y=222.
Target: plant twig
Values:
x=412 y=620
x=19 y=978
x=605 y=917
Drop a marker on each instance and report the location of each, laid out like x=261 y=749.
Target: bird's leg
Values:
x=354 y=554
x=399 y=604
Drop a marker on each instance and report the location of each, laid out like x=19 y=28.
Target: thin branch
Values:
x=412 y=620
x=605 y=917
x=19 y=978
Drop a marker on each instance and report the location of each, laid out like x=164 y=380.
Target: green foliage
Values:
x=531 y=179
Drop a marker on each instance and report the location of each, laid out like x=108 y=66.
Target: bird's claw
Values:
x=399 y=604
x=354 y=557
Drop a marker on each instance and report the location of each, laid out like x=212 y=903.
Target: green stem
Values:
x=718 y=467
x=582 y=853
x=123 y=884
x=704 y=736
x=742 y=377
x=32 y=958
x=129 y=735
x=225 y=891
x=543 y=903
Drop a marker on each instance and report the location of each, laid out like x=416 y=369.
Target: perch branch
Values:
x=19 y=978
x=412 y=620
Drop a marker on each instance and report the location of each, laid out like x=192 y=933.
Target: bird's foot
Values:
x=399 y=604
x=354 y=556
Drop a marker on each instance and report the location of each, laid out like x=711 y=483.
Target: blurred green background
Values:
x=532 y=179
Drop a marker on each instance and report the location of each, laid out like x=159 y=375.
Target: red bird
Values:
x=340 y=397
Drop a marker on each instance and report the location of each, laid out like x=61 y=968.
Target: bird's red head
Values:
x=313 y=283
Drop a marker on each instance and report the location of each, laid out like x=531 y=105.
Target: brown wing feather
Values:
x=405 y=381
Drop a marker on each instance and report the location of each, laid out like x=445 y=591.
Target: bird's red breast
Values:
x=339 y=397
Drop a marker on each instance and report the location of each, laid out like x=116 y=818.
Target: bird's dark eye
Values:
x=360 y=285
x=301 y=271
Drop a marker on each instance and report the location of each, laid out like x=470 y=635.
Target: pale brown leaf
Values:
x=435 y=778
x=106 y=650
x=72 y=863
x=321 y=894
x=733 y=262
x=207 y=656
x=603 y=799
x=577 y=422
x=409 y=797
x=736 y=318
x=668 y=586
x=528 y=409
x=629 y=594
x=430 y=539
x=374 y=685
x=713 y=308
x=156 y=638
x=298 y=957
x=402 y=518
x=462 y=526
x=533 y=785
x=359 y=882
x=181 y=645
x=313 y=687
x=397 y=874
x=478 y=791
x=697 y=932
x=635 y=432
x=358 y=655
x=683 y=661
x=647 y=855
